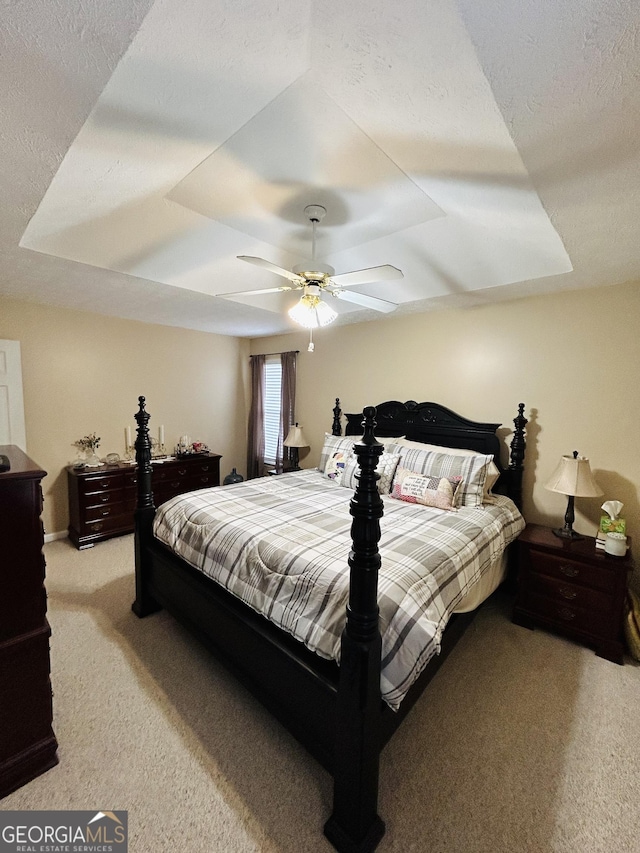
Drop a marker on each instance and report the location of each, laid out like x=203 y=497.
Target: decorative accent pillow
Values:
x=334 y=444
x=386 y=468
x=473 y=470
x=334 y=469
x=439 y=492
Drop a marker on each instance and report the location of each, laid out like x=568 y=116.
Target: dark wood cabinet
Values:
x=28 y=745
x=102 y=500
x=570 y=587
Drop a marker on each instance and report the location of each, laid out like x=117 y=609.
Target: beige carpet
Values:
x=523 y=741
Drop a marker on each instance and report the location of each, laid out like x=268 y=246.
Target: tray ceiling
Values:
x=449 y=143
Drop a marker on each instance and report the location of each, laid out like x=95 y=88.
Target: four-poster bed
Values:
x=335 y=710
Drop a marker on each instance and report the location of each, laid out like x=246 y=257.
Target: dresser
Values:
x=570 y=587
x=28 y=745
x=102 y=500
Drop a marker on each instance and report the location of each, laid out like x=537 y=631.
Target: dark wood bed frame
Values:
x=336 y=712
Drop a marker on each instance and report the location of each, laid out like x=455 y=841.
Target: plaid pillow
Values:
x=334 y=444
x=472 y=469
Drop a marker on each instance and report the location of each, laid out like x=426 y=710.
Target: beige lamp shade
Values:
x=295 y=438
x=573 y=477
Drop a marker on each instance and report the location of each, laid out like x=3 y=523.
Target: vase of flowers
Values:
x=88 y=445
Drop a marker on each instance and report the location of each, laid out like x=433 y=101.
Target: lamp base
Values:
x=567 y=533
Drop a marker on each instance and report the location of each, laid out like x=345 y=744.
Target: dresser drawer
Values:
x=108 y=523
x=97 y=483
x=564 y=568
x=94 y=501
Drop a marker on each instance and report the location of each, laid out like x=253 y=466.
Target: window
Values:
x=272 y=407
x=273 y=391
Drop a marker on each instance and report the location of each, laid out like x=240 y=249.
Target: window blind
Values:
x=272 y=406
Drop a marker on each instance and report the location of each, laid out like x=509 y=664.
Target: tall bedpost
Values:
x=354 y=826
x=516 y=459
x=336 y=428
x=143 y=516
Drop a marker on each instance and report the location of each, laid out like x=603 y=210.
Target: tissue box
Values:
x=610 y=525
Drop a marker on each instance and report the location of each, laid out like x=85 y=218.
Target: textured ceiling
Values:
x=488 y=150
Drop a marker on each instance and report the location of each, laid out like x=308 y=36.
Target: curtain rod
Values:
x=296 y=351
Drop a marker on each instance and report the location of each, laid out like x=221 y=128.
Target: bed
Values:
x=328 y=673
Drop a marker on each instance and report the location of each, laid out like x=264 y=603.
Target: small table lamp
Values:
x=294 y=440
x=573 y=478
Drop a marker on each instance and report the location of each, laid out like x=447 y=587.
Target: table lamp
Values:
x=573 y=478
x=294 y=440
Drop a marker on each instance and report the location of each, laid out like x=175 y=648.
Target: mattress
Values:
x=281 y=543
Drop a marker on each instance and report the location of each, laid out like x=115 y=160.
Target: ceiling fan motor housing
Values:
x=315 y=212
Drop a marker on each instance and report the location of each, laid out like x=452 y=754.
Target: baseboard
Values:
x=51 y=537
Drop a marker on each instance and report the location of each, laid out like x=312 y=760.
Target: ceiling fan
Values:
x=315 y=278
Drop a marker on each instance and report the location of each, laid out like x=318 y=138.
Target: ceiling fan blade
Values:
x=267 y=265
x=365 y=301
x=280 y=289
x=383 y=273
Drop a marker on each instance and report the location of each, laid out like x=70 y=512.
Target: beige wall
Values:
x=83 y=373
x=572 y=358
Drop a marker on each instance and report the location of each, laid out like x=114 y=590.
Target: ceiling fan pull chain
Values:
x=311 y=346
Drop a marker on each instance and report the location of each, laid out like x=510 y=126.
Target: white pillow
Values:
x=492 y=474
x=439 y=492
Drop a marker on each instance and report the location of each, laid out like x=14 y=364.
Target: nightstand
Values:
x=570 y=587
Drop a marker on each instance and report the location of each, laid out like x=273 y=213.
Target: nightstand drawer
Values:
x=564 y=568
x=573 y=594
x=566 y=615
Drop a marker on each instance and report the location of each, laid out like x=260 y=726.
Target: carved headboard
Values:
x=432 y=423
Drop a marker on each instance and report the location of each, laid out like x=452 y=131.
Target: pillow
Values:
x=493 y=472
x=473 y=469
x=439 y=492
x=386 y=468
x=334 y=444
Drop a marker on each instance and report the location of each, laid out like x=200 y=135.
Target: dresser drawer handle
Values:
x=182 y=471
x=96 y=527
x=105 y=513
x=570 y=571
x=567 y=593
x=104 y=498
x=566 y=614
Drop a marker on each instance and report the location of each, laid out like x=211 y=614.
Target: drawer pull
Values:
x=566 y=614
x=105 y=513
x=182 y=471
x=104 y=498
x=96 y=527
x=567 y=593
x=570 y=571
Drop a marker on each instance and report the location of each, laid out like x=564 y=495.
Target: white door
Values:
x=12 y=429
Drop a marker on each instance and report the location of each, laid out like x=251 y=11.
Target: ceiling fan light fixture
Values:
x=311 y=312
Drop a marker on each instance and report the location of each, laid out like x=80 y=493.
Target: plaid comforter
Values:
x=281 y=545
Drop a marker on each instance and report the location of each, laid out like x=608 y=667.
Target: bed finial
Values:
x=516 y=458
x=145 y=510
x=336 y=428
